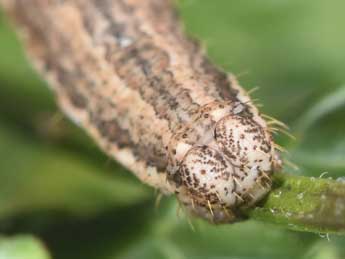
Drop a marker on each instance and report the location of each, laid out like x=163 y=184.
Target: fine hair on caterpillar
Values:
x=125 y=72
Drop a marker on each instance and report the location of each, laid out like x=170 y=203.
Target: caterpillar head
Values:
x=222 y=161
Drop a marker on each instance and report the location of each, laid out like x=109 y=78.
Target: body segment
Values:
x=124 y=71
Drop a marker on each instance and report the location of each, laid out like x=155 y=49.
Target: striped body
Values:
x=124 y=71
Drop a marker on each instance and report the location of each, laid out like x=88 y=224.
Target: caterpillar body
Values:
x=124 y=71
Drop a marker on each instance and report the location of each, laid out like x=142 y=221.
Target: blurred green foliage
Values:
x=22 y=247
x=55 y=184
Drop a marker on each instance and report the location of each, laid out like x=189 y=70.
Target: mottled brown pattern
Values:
x=125 y=72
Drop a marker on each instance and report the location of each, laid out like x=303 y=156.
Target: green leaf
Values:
x=330 y=103
x=22 y=247
x=320 y=133
x=39 y=177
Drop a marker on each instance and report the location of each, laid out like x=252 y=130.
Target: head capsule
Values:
x=222 y=161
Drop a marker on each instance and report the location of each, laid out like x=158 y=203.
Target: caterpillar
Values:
x=125 y=72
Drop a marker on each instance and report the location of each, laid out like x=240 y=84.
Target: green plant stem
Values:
x=304 y=204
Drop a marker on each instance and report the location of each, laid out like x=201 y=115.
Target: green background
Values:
x=58 y=193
